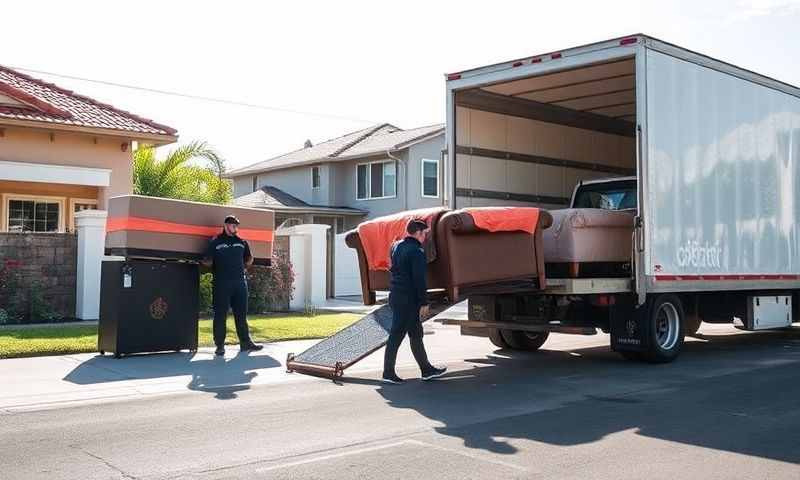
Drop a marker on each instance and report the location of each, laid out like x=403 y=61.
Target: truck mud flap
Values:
x=629 y=331
x=330 y=357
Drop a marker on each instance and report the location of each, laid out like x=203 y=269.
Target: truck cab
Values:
x=606 y=194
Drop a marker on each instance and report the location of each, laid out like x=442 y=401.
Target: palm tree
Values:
x=178 y=176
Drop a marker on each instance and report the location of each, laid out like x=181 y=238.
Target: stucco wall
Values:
x=35 y=146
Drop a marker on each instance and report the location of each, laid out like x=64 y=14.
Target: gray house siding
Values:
x=431 y=150
x=242 y=185
x=323 y=194
x=295 y=181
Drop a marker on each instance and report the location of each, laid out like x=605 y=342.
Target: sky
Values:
x=326 y=68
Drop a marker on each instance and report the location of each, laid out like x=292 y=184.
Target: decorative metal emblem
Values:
x=158 y=309
x=630 y=325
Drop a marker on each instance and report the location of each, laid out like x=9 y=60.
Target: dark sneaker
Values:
x=393 y=379
x=220 y=351
x=251 y=347
x=434 y=373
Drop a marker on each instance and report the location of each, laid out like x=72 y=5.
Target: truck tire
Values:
x=691 y=324
x=522 y=340
x=666 y=317
x=497 y=338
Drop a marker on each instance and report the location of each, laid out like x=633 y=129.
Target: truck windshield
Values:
x=607 y=196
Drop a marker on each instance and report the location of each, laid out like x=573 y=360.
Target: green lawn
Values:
x=56 y=340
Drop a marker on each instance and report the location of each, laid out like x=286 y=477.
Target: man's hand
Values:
x=424 y=311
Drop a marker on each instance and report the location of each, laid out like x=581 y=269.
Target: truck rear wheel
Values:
x=497 y=338
x=522 y=340
x=666 y=318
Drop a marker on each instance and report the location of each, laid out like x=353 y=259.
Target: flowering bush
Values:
x=271 y=288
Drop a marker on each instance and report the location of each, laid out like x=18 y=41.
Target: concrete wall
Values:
x=47 y=259
x=519 y=135
x=72 y=149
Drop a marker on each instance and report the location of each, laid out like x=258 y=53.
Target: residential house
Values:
x=341 y=182
x=61 y=152
x=371 y=172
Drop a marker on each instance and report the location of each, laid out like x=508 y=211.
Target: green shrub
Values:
x=3 y=317
x=206 y=293
x=39 y=309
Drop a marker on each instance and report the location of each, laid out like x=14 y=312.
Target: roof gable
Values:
x=369 y=141
x=35 y=100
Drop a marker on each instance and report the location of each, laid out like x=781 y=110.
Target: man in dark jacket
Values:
x=408 y=298
x=228 y=255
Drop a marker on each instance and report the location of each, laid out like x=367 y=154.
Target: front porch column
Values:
x=91 y=229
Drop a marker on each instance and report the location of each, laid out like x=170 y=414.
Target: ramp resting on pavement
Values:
x=331 y=356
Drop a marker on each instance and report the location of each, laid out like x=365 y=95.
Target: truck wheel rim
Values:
x=667 y=326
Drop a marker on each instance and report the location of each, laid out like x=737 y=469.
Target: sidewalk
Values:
x=37 y=383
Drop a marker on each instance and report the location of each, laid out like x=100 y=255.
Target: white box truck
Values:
x=711 y=154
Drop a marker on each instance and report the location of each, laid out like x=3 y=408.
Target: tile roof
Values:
x=369 y=141
x=276 y=199
x=40 y=101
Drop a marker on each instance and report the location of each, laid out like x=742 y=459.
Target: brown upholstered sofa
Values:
x=375 y=280
x=475 y=257
x=461 y=255
x=589 y=242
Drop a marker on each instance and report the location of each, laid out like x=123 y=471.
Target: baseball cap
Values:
x=232 y=219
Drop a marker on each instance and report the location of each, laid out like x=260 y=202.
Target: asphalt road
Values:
x=728 y=408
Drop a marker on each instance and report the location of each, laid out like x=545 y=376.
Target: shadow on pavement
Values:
x=736 y=393
x=223 y=377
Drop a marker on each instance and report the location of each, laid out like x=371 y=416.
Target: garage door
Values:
x=347 y=280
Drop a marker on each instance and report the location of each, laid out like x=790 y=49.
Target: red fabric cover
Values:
x=378 y=235
x=505 y=219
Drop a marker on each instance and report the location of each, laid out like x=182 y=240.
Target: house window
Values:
x=339 y=224
x=34 y=215
x=79 y=205
x=315 y=177
x=430 y=178
x=376 y=180
x=255 y=183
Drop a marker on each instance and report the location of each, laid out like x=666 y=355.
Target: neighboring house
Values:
x=291 y=210
x=61 y=152
x=379 y=170
x=344 y=181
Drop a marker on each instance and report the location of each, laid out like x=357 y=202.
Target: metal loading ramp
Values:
x=331 y=356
